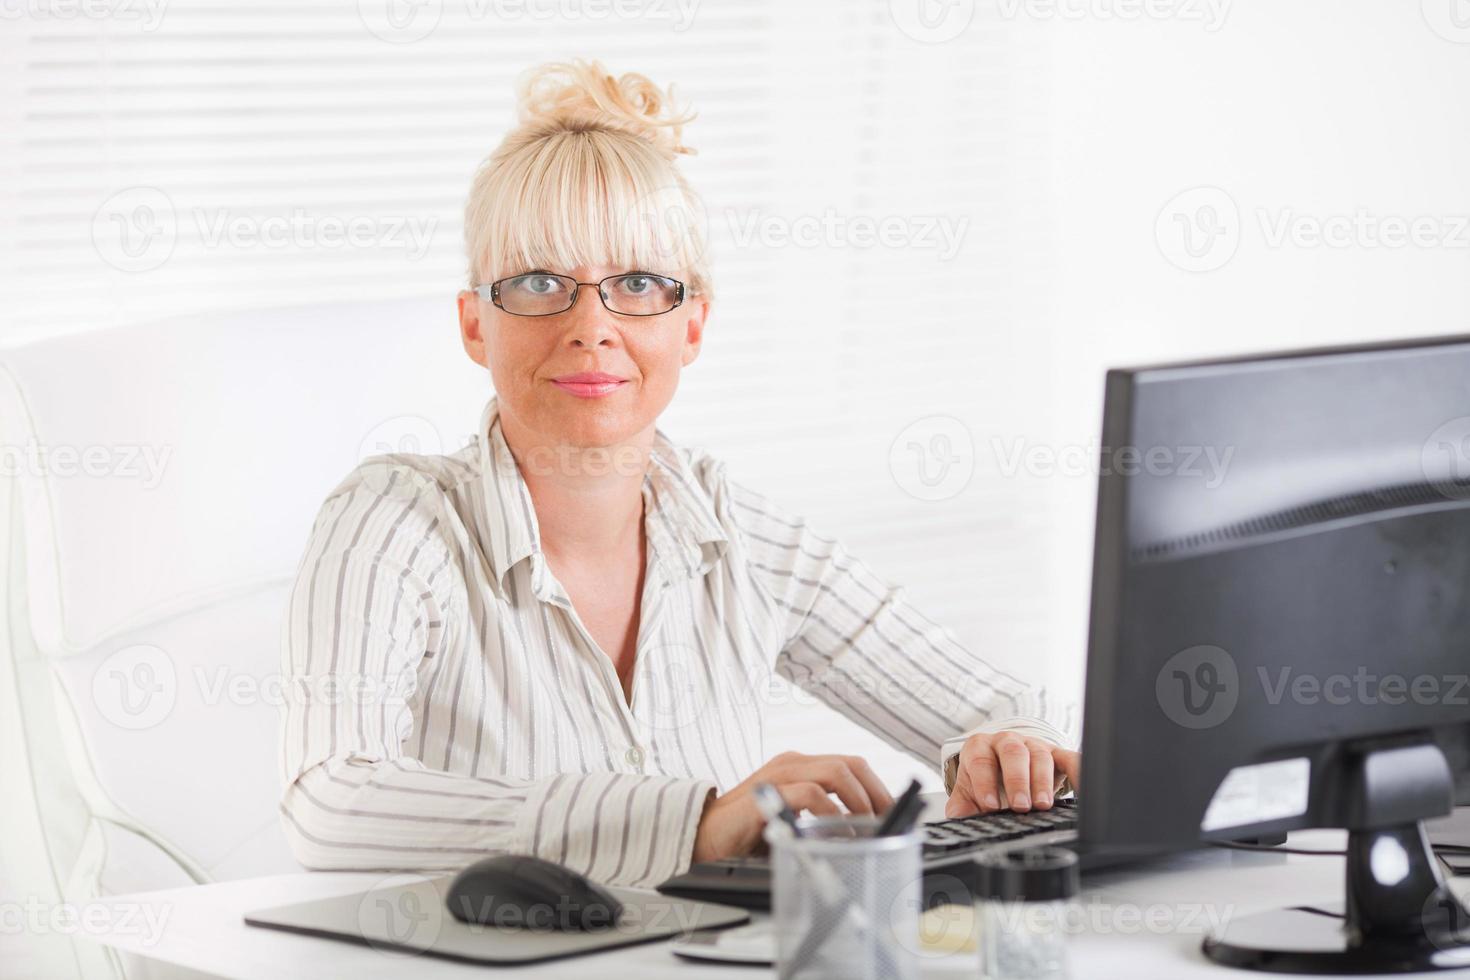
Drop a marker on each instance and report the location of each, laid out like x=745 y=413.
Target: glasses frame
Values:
x=491 y=292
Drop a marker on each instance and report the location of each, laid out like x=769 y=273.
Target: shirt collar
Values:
x=685 y=536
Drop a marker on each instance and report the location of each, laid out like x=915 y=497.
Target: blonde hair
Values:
x=587 y=177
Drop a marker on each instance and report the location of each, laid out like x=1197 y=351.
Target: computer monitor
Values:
x=1280 y=633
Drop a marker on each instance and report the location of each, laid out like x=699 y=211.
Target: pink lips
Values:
x=589 y=384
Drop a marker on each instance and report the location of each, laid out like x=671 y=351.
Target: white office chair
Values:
x=146 y=570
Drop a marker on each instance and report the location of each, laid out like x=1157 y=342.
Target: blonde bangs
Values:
x=561 y=200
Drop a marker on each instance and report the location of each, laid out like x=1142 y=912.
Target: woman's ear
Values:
x=694 y=328
x=471 y=330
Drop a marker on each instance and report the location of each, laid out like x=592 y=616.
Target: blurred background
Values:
x=934 y=224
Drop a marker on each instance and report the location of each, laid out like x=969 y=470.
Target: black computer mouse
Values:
x=520 y=891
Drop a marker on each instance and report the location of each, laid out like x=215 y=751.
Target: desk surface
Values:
x=1139 y=921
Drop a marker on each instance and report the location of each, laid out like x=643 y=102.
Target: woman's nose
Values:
x=589 y=324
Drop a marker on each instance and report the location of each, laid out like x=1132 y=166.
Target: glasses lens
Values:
x=638 y=294
x=536 y=294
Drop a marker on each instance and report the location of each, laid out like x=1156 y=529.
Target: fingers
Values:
x=836 y=776
x=961 y=802
x=978 y=761
x=1015 y=770
x=1069 y=764
x=850 y=778
x=811 y=797
x=1043 y=775
x=877 y=792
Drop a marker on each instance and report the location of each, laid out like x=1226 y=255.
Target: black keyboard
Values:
x=944 y=837
x=746 y=881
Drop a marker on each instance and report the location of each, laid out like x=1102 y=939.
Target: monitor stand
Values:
x=1400 y=917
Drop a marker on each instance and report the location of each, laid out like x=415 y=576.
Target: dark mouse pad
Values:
x=407 y=912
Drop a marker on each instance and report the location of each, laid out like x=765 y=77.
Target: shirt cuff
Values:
x=618 y=828
x=1029 y=727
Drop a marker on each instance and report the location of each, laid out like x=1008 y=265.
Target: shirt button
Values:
x=634 y=756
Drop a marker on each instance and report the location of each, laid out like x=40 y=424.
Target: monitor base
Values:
x=1401 y=918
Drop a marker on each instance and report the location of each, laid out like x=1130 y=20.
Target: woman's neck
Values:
x=588 y=500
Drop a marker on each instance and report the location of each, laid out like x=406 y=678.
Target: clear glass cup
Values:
x=1024 y=903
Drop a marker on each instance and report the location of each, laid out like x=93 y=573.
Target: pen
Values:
x=773 y=807
x=903 y=813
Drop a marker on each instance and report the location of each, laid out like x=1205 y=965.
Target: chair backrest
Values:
x=160 y=484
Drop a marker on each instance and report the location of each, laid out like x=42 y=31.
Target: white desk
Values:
x=1139 y=922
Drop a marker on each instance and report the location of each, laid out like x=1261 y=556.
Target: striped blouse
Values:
x=450 y=703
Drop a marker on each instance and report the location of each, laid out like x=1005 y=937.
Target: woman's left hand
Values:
x=1006 y=770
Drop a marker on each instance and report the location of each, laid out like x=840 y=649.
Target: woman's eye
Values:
x=636 y=284
x=537 y=285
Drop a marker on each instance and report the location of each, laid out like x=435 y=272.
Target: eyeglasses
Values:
x=545 y=293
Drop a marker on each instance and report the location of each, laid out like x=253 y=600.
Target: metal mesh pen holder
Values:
x=845 y=904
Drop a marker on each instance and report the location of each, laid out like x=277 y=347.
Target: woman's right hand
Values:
x=731 y=824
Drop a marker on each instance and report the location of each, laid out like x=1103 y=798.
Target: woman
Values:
x=558 y=640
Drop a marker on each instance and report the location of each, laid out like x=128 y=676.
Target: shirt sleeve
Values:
x=855 y=642
x=372 y=602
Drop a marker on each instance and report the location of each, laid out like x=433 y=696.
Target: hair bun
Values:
x=580 y=96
